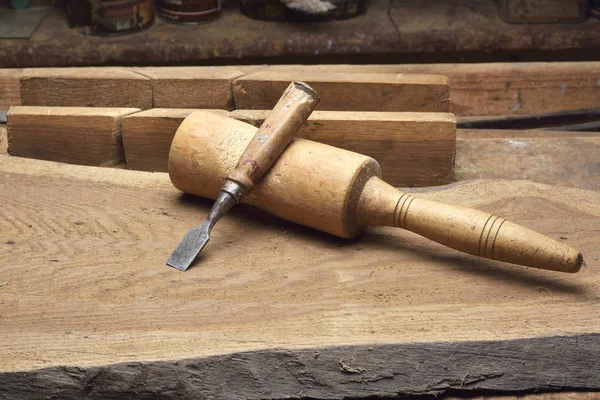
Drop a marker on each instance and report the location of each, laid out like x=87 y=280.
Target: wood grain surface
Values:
x=10 y=92
x=497 y=88
x=85 y=87
x=147 y=136
x=76 y=135
x=413 y=149
x=347 y=92
x=100 y=237
x=553 y=157
x=476 y=89
x=192 y=87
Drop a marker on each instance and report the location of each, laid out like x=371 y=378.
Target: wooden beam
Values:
x=413 y=149
x=560 y=158
x=497 y=88
x=85 y=87
x=147 y=136
x=10 y=93
x=192 y=87
x=348 y=92
x=274 y=309
x=87 y=136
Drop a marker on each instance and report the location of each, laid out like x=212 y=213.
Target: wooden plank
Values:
x=274 y=309
x=497 y=88
x=76 y=135
x=482 y=89
x=85 y=87
x=348 y=92
x=192 y=87
x=561 y=158
x=412 y=149
x=356 y=372
x=10 y=93
x=147 y=136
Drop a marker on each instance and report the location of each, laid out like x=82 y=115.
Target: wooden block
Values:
x=561 y=158
x=75 y=135
x=496 y=88
x=348 y=92
x=10 y=93
x=413 y=149
x=147 y=137
x=546 y=11
x=192 y=87
x=85 y=87
x=271 y=301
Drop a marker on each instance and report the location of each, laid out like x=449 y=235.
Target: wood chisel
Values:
x=341 y=192
x=291 y=111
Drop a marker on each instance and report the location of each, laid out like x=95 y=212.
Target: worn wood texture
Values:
x=76 y=135
x=340 y=372
x=413 y=149
x=10 y=92
x=102 y=237
x=192 y=87
x=85 y=87
x=497 y=88
x=543 y=11
x=476 y=89
x=348 y=92
x=562 y=158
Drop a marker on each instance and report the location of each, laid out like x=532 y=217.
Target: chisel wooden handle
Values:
x=291 y=111
x=340 y=192
x=465 y=229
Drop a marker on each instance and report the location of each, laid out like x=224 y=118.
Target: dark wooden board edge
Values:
x=361 y=371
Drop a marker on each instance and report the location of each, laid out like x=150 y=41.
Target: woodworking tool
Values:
x=291 y=111
x=341 y=193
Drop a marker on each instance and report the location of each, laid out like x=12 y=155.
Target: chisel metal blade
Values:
x=189 y=247
x=196 y=238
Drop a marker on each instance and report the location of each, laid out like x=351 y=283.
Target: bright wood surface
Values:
x=192 y=87
x=85 y=87
x=347 y=92
x=10 y=92
x=412 y=148
x=76 y=135
x=84 y=281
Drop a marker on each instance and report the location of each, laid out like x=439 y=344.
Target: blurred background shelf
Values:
x=391 y=31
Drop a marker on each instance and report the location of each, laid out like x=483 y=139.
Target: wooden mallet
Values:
x=291 y=111
x=341 y=192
